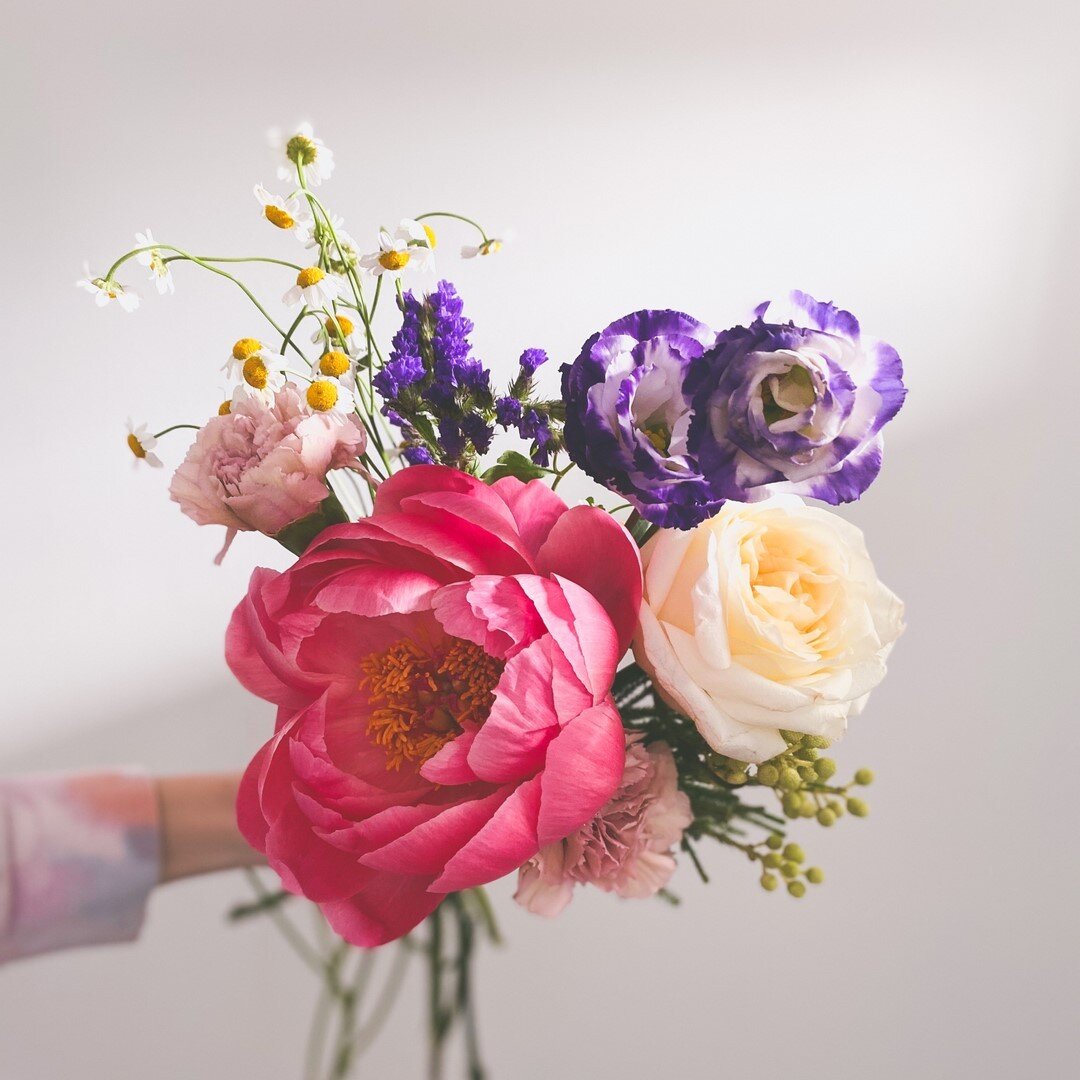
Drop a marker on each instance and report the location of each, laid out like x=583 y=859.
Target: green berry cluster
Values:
x=802 y=780
x=784 y=862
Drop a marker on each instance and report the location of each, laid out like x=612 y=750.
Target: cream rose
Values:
x=766 y=617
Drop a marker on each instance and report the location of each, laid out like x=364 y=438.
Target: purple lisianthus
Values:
x=795 y=404
x=629 y=409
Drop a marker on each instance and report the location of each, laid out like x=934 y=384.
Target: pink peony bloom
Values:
x=626 y=848
x=262 y=466
x=442 y=671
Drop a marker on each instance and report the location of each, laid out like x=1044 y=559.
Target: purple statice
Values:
x=531 y=359
x=796 y=404
x=629 y=410
x=417 y=455
x=432 y=381
x=478 y=431
x=452 y=440
x=508 y=411
x=536 y=426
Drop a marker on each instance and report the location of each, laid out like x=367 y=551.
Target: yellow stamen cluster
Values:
x=310 y=275
x=245 y=347
x=224 y=408
x=281 y=218
x=340 y=326
x=322 y=396
x=420 y=700
x=394 y=260
x=256 y=373
x=136 y=447
x=333 y=364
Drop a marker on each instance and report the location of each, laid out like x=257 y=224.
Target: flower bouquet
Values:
x=473 y=678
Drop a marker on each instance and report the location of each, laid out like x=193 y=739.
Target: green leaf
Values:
x=298 y=536
x=513 y=463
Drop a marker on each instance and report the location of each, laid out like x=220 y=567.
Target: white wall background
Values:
x=916 y=162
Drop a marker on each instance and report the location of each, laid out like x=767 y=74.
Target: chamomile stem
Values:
x=177 y=427
x=238 y=259
x=213 y=270
x=457 y=217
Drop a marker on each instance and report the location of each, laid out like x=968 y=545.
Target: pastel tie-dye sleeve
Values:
x=79 y=854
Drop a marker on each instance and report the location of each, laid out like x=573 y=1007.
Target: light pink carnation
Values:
x=263 y=465
x=626 y=848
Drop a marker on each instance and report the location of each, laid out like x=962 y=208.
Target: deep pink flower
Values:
x=263 y=465
x=626 y=848
x=442 y=673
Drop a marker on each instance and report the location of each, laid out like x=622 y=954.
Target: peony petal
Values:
x=536 y=509
x=589 y=547
x=387 y=907
x=583 y=768
x=502 y=845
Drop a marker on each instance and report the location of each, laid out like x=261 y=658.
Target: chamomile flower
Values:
x=331 y=397
x=314 y=288
x=105 y=291
x=333 y=364
x=418 y=232
x=397 y=255
x=286 y=214
x=141 y=443
x=302 y=150
x=160 y=274
x=241 y=352
x=492 y=246
x=337 y=330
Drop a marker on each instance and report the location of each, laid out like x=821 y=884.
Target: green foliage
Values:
x=513 y=463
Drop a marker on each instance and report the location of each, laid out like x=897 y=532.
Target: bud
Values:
x=789 y=779
x=775 y=841
x=768 y=775
x=769 y=882
x=857 y=807
x=794 y=853
x=826 y=817
x=789 y=870
x=864 y=777
x=815 y=875
x=825 y=768
x=773 y=861
x=797 y=889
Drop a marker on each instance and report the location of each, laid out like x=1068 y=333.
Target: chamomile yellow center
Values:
x=421 y=699
x=136 y=447
x=322 y=396
x=279 y=217
x=310 y=275
x=429 y=232
x=256 y=373
x=224 y=408
x=245 y=347
x=333 y=364
x=339 y=326
x=394 y=260
x=301 y=150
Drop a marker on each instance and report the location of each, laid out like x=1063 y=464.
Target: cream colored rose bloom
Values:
x=767 y=617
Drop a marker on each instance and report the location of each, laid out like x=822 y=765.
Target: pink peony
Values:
x=262 y=466
x=626 y=848
x=442 y=672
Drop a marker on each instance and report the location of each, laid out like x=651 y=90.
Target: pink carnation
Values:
x=442 y=671
x=263 y=466
x=626 y=848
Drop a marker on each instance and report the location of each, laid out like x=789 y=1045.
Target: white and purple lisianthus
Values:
x=680 y=420
x=629 y=413
x=795 y=404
